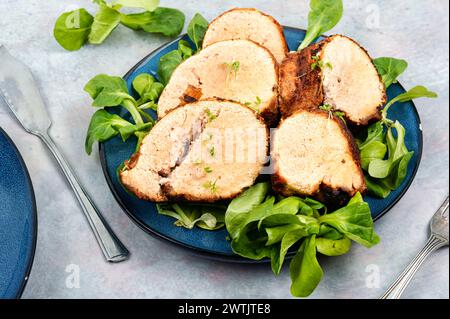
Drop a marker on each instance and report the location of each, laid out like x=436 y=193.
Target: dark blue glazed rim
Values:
x=212 y=244
x=27 y=249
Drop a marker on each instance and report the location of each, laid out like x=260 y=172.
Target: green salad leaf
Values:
x=197 y=29
x=385 y=162
x=102 y=127
x=148 y=5
x=355 y=222
x=262 y=226
x=132 y=129
x=72 y=29
x=374 y=134
x=104 y=82
x=251 y=244
x=188 y=215
x=289 y=239
x=379 y=168
x=148 y=89
x=384 y=155
x=111 y=98
x=243 y=204
x=185 y=49
x=390 y=69
x=167 y=21
x=377 y=188
x=241 y=222
x=136 y=21
x=373 y=147
x=167 y=64
x=276 y=234
x=323 y=16
x=171 y=60
x=112 y=91
x=414 y=93
x=105 y=21
x=329 y=232
x=142 y=83
x=373 y=151
x=333 y=247
x=306 y=272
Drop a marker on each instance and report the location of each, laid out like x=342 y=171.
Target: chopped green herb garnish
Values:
x=207 y=169
x=316 y=62
x=328 y=108
x=232 y=67
x=207 y=138
x=319 y=63
x=255 y=105
x=340 y=115
x=211 y=186
x=212 y=151
x=325 y=107
x=211 y=116
x=198 y=162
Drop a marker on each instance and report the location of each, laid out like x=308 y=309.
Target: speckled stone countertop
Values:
x=414 y=30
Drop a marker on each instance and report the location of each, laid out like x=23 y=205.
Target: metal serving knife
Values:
x=19 y=90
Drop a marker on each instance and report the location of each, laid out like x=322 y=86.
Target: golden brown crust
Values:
x=325 y=193
x=140 y=195
x=271 y=114
x=129 y=164
x=301 y=86
x=278 y=25
x=168 y=191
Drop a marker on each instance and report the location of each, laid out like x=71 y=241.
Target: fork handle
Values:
x=111 y=246
x=399 y=286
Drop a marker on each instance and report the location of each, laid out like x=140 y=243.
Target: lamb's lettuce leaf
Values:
x=306 y=272
x=72 y=29
x=323 y=16
x=197 y=29
x=188 y=215
x=390 y=69
x=263 y=226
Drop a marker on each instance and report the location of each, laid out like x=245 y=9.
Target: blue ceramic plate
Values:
x=214 y=243
x=18 y=220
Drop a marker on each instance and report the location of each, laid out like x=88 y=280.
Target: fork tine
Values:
x=444 y=207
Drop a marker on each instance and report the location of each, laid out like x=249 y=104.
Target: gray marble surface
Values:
x=414 y=30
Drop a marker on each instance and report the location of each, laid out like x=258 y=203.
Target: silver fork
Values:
x=438 y=238
x=18 y=89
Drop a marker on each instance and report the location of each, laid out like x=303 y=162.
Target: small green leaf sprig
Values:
x=111 y=91
x=384 y=155
x=74 y=29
